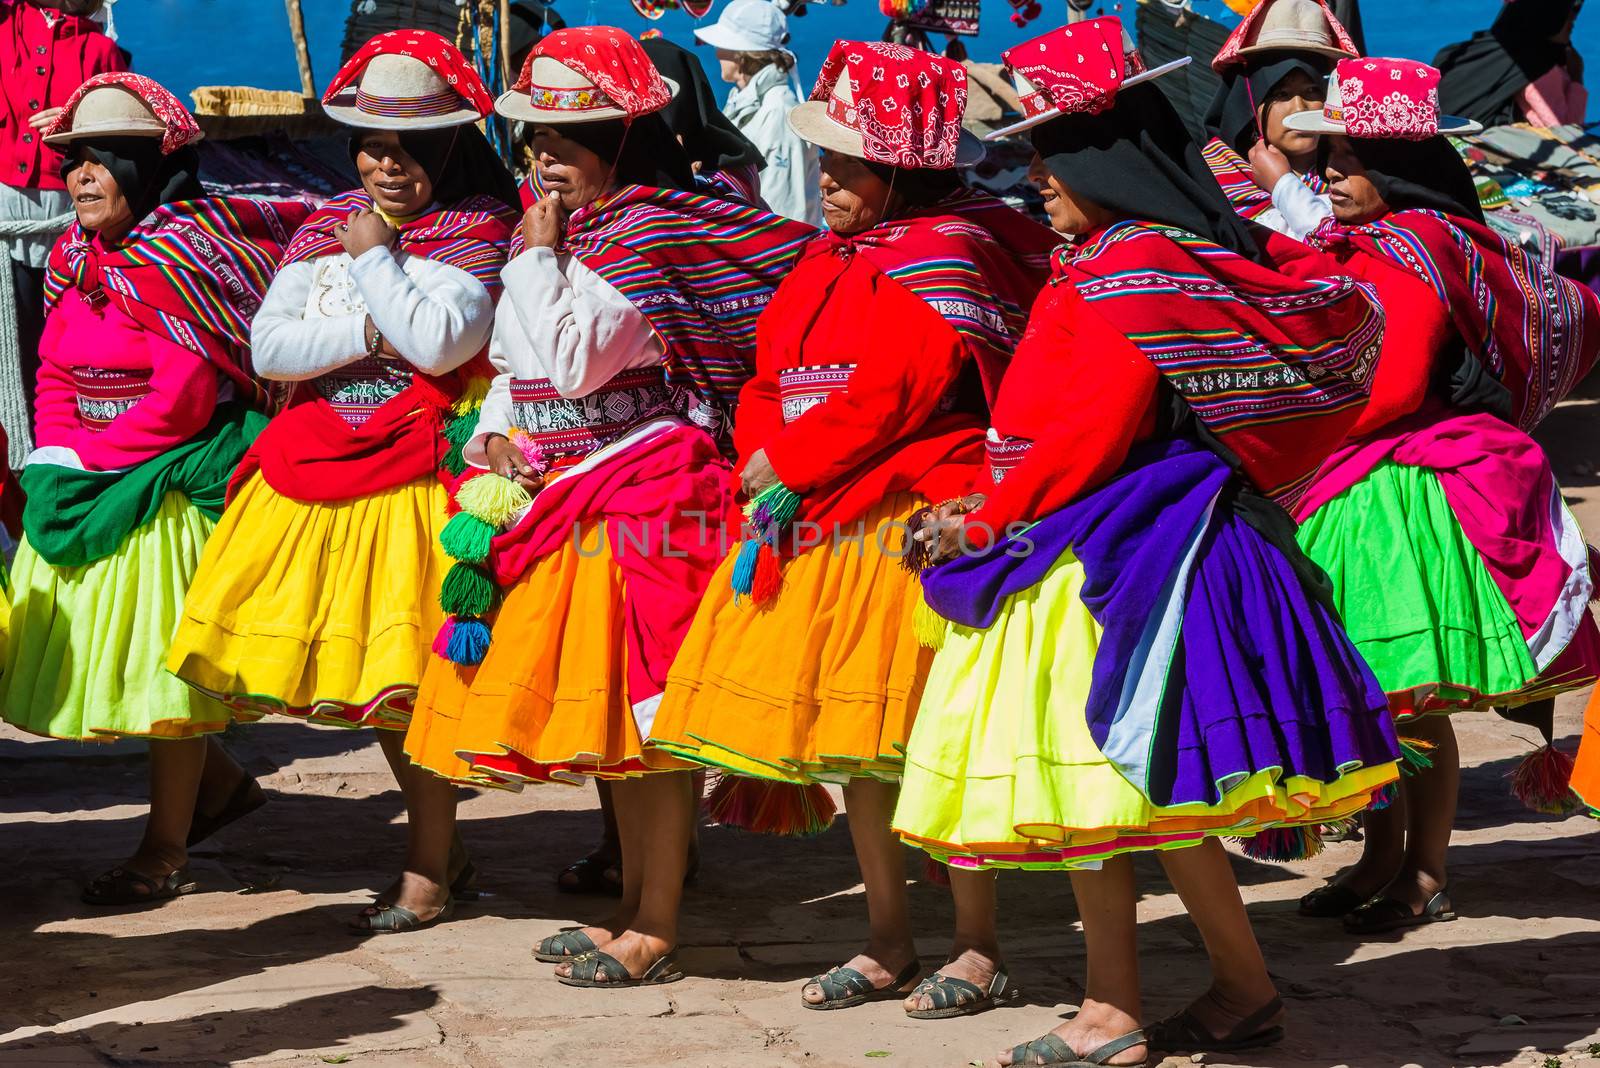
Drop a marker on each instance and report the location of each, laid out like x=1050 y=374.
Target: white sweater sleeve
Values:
x=495 y=415
x=1302 y=210
x=438 y=320
x=287 y=346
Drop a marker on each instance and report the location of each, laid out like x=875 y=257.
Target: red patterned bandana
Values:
x=1074 y=69
x=181 y=127
x=611 y=59
x=426 y=46
x=906 y=103
x=1388 y=98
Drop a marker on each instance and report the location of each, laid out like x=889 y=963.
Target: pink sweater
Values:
x=1554 y=100
x=116 y=393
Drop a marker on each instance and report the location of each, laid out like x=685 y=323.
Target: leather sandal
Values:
x=950 y=997
x=124 y=886
x=1052 y=1051
x=1384 y=914
x=1331 y=901
x=843 y=987
x=588 y=970
x=1183 y=1032
x=397 y=919
x=593 y=874
x=566 y=944
x=245 y=799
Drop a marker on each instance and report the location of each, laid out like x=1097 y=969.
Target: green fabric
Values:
x=76 y=517
x=1413 y=591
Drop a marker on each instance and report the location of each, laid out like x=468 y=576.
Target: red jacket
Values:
x=40 y=66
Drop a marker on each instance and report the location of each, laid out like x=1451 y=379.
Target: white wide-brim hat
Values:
x=1330 y=120
x=810 y=122
x=747 y=26
x=111 y=111
x=398 y=92
x=1295 y=26
x=1025 y=88
x=558 y=94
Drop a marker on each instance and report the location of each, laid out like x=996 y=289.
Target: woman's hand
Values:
x=941 y=529
x=41 y=119
x=385 y=351
x=507 y=460
x=542 y=223
x=757 y=474
x=363 y=231
x=1269 y=165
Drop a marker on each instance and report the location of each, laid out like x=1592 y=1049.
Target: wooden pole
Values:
x=302 y=50
x=507 y=75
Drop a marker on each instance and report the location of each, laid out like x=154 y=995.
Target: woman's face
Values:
x=853 y=198
x=1297 y=92
x=396 y=182
x=728 y=64
x=1070 y=215
x=98 y=200
x=1355 y=199
x=573 y=173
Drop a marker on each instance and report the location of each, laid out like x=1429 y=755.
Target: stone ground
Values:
x=257 y=969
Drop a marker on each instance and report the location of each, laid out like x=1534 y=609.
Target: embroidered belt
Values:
x=1005 y=454
x=803 y=388
x=573 y=427
x=104 y=394
x=358 y=389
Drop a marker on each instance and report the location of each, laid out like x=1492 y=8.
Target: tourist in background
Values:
x=1523 y=68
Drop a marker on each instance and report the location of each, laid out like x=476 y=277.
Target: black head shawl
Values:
x=918 y=187
x=1420 y=174
x=644 y=152
x=1483 y=75
x=1138 y=160
x=1232 y=115
x=709 y=137
x=146 y=178
x=459 y=163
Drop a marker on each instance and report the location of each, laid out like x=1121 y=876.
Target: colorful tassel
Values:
x=1414 y=755
x=468 y=590
x=768 y=577
x=468 y=642
x=767 y=514
x=1543 y=782
x=903 y=9
x=472 y=397
x=531 y=451
x=493 y=498
x=1384 y=797
x=929 y=626
x=1280 y=845
x=466 y=537
x=744 y=568
x=934 y=872
x=766 y=807
x=441 y=640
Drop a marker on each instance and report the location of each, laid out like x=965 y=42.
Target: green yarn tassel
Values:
x=466 y=537
x=468 y=590
x=1413 y=758
x=771 y=510
x=458 y=432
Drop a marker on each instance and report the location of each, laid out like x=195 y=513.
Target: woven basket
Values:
x=241 y=101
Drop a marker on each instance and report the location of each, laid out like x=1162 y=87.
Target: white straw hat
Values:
x=110 y=110
x=747 y=26
x=1295 y=25
x=398 y=92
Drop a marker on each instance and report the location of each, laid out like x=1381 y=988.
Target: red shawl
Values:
x=307 y=451
x=193 y=270
x=1277 y=369
x=1536 y=332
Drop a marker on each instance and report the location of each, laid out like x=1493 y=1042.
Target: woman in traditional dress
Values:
x=801 y=665
x=1523 y=68
x=1138 y=656
x=1455 y=564
x=618 y=359
x=318 y=596
x=145 y=405
x=1275 y=64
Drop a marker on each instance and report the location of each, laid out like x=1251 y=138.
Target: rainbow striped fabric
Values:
x=701 y=269
x=1238 y=181
x=193 y=270
x=1276 y=368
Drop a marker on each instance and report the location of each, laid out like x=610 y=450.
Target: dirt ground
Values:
x=257 y=968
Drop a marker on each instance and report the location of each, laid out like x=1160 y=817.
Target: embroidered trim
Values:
x=359 y=389
x=105 y=394
x=568 y=428
x=404 y=107
x=1004 y=455
x=586 y=99
x=803 y=388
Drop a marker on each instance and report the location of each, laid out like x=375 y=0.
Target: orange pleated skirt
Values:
x=821 y=684
x=1586 y=776
x=550 y=701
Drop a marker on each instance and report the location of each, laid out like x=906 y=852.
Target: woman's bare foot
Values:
x=1094 y=1025
x=880 y=964
x=634 y=951
x=976 y=966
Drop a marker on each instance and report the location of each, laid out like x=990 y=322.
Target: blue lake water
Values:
x=185 y=43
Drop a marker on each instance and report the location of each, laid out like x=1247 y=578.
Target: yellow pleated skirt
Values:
x=319 y=610
x=1002 y=771
x=822 y=684
x=550 y=702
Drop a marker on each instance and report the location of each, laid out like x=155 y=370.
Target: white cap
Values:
x=747 y=26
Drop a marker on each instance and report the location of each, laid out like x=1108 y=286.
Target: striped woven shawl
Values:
x=193 y=270
x=1238 y=181
x=1277 y=369
x=1535 y=331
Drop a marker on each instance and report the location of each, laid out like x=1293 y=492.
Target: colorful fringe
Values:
x=1279 y=845
x=756 y=573
x=481 y=505
x=768 y=807
x=1543 y=782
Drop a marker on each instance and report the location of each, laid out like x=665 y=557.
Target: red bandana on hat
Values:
x=181 y=127
x=609 y=58
x=1076 y=69
x=1389 y=98
x=1245 y=34
x=908 y=103
x=431 y=49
